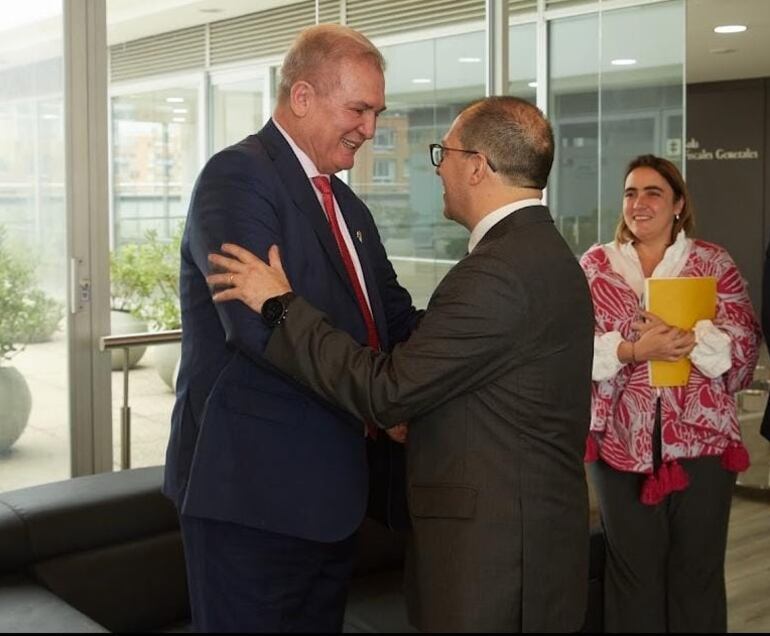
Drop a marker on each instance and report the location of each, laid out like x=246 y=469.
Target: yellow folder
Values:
x=680 y=302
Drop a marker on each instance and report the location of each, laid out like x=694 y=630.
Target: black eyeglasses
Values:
x=437 y=155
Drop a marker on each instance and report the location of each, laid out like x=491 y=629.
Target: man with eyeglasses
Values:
x=495 y=383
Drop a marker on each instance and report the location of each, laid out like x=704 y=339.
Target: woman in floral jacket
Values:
x=664 y=460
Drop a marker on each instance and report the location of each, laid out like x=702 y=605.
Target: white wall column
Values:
x=497 y=47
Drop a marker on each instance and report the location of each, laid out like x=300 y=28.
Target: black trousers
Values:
x=243 y=579
x=665 y=563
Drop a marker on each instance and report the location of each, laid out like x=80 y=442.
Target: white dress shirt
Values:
x=711 y=353
x=311 y=171
x=494 y=217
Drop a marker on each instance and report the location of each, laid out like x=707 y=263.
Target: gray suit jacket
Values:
x=496 y=385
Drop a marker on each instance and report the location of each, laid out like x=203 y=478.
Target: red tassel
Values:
x=592 y=450
x=735 y=458
x=678 y=478
x=651 y=494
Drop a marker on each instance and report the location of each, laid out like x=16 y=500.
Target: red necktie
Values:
x=324 y=187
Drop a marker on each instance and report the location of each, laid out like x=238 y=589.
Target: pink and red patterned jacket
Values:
x=697 y=420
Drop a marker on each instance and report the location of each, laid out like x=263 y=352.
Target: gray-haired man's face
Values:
x=344 y=118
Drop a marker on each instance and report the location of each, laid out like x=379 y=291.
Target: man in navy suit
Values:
x=270 y=481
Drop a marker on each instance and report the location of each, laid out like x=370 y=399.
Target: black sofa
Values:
x=103 y=553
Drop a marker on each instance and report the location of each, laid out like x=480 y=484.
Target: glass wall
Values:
x=155 y=159
x=522 y=61
x=156 y=155
x=641 y=95
x=238 y=109
x=573 y=193
x=427 y=83
x=619 y=98
x=34 y=389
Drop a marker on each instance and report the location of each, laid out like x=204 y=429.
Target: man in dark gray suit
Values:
x=495 y=382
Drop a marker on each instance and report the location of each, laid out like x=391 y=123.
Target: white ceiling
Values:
x=34 y=33
x=751 y=49
x=132 y=19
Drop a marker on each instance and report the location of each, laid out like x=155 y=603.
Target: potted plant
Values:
x=43 y=315
x=18 y=291
x=123 y=283
x=145 y=278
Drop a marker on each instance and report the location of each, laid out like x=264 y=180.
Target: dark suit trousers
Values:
x=242 y=579
x=665 y=563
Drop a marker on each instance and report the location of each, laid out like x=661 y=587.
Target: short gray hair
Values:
x=320 y=45
x=514 y=136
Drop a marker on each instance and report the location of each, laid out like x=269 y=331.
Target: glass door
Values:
x=52 y=223
x=239 y=104
x=34 y=427
x=156 y=153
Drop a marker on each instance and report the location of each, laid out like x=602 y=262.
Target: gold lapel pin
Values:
x=360 y=236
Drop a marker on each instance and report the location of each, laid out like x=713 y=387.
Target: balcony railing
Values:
x=125 y=342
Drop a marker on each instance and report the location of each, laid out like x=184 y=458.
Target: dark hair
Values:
x=320 y=45
x=514 y=136
x=673 y=177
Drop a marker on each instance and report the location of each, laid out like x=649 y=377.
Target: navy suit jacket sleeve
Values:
x=232 y=205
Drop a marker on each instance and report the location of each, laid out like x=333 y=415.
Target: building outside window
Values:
x=384 y=138
x=384 y=171
x=155 y=159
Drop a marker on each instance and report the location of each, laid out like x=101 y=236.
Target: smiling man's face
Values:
x=341 y=120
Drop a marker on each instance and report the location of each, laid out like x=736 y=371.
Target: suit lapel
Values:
x=353 y=213
x=302 y=193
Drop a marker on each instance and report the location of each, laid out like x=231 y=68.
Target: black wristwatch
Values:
x=274 y=309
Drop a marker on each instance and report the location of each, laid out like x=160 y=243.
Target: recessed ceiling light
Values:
x=175 y=100
x=623 y=61
x=730 y=28
x=421 y=80
x=721 y=51
x=469 y=60
x=532 y=84
x=179 y=120
x=179 y=111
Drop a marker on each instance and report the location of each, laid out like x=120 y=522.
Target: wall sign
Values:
x=696 y=153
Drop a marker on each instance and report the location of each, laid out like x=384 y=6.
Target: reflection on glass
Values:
x=427 y=84
x=605 y=113
x=638 y=99
x=154 y=161
x=236 y=111
x=522 y=61
x=574 y=114
x=34 y=392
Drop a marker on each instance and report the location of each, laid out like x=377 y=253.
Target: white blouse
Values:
x=711 y=354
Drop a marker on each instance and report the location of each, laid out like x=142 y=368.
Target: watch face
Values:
x=272 y=310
